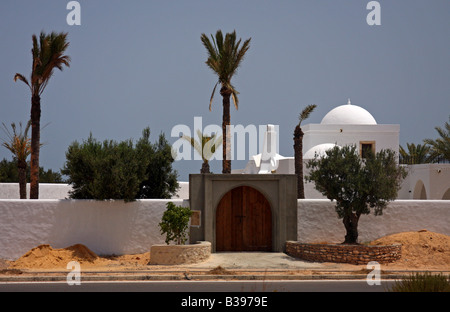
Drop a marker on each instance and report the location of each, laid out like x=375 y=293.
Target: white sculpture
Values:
x=269 y=159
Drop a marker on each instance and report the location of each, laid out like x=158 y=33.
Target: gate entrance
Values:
x=243 y=221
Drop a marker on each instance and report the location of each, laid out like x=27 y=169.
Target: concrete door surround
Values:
x=206 y=191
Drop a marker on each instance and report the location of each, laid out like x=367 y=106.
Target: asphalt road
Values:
x=200 y=286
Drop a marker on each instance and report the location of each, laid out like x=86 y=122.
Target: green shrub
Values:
x=9 y=173
x=120 y=170
x=175 y=222
x=423 y=282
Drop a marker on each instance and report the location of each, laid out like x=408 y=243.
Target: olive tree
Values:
x=356 y=184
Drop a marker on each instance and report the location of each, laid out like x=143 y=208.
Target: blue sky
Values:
x=141 y=63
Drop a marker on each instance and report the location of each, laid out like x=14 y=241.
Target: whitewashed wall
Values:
x=61 y=191
x=105 y=227
x=115 y=227
x=46 y=191
x=318 y=220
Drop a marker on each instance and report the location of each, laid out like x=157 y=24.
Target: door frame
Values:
x=206 y=190
x=244 y=221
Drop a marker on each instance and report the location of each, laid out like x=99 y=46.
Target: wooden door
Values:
x=243 y=221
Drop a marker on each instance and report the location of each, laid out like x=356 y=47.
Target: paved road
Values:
x=200 y=286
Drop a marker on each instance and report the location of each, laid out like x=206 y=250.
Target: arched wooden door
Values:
x=243 y=221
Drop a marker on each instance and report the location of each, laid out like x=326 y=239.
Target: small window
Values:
x=365 y=148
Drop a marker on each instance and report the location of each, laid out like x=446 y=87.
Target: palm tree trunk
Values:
x=35 y=146
x=226 y=154
x=205 y=167
x=22 y=168
x=298 y=162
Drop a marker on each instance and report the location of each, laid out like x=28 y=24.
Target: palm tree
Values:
x=416 y=154
x=206 y=146
x=298 y=149
x=48 y=54
x=440 y=148
x=19 y=145
x=224 y=57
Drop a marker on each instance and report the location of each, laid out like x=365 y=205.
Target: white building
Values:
x=349 y=125
x=353 y=125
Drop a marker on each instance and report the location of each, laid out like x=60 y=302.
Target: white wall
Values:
x=435 y=179
x=106 y=227
x=115 y=227
x=385 y=136
x=46 y=191
x=318 y=221
x=61 y=191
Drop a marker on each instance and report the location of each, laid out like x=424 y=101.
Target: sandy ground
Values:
x=421 y=250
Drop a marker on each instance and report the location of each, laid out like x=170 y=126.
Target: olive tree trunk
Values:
x=351 y=226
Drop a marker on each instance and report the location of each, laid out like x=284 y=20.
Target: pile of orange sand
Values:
x=46 y=257
x=420 y=250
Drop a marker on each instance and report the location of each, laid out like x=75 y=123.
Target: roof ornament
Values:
x=349 y=102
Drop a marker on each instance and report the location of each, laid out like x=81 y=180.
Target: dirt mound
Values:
x=220 y=271
x=421 y=249
x=45 y=257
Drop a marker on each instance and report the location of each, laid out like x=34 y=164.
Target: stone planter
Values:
x=338 y=253
x=180 y=254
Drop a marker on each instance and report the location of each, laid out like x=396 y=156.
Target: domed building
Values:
x=350 y=124
x=348 y=114
x=346 y=124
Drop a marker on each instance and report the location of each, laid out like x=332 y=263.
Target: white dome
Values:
x=320 y=150
x=348 y=114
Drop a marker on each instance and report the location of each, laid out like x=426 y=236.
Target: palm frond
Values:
x=21 y=78
x=48 y=53
x=219 y=40
x=306 y=112
x=205 y=145
x=225 y=55
x=234 y=96
x=18 y=143
x=212 y=95
x=440 y=147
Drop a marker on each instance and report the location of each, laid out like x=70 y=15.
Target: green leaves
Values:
x=355 y=183
x=440 y=147
x=120 y=170
x=206 y=145
x=306 y=112
x=48 y=53
x=18 y=143
x=160 y=179
x=225 y=55
x=175 y=222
